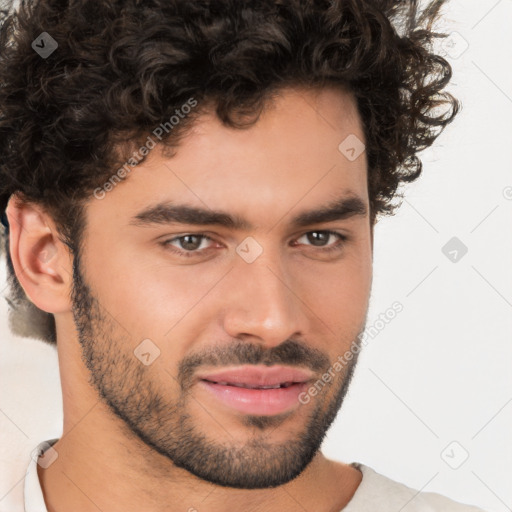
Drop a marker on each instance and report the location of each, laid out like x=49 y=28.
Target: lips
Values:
x=256 y=390
x=259 y=377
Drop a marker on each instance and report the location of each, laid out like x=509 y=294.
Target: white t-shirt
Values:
x=375 y=493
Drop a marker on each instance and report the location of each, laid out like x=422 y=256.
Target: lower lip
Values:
x=257 y=401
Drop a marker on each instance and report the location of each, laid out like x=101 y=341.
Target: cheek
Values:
x=338 y=292
x=149 y=298
x=146 y=296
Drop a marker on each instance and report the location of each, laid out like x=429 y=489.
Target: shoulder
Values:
x=378 y=492
x=14 y=462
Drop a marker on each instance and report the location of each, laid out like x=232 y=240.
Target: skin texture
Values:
x=140 y=437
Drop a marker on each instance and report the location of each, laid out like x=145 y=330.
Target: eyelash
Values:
x=342 y=239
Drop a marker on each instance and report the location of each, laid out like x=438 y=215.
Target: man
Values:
x=190 y=192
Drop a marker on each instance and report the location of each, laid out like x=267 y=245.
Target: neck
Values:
x=102 y=469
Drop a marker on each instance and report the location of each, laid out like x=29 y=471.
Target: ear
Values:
x=42 y=262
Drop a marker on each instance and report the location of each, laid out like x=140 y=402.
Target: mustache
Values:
x=290 y=352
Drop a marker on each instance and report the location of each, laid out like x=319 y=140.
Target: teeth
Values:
x=240 y=385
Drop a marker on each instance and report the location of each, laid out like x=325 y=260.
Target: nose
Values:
x=262 y=304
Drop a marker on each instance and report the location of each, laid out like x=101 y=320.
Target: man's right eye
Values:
x=187 y=245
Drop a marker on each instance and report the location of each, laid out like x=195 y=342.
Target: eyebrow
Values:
x=168 y=212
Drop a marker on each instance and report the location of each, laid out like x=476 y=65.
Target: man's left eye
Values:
x=321 y=238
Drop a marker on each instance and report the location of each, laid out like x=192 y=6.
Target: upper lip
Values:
x=251 y=375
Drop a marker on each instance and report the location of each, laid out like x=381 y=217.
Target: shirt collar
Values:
x=33 y=494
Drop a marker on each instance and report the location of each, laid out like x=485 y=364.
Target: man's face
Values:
x=160 y=303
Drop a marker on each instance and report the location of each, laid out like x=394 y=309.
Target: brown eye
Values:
x=321 y=239
x=190 y=244
x=318 y=238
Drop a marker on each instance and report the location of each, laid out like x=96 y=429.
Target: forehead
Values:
x=295 y=127
x=294 y=155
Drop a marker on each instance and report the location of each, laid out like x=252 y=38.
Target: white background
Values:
x=440 y=372
x=444 y=363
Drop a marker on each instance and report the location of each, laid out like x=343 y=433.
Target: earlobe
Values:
x=40 y=259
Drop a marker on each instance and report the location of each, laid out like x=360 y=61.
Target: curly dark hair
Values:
x=123 y=67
